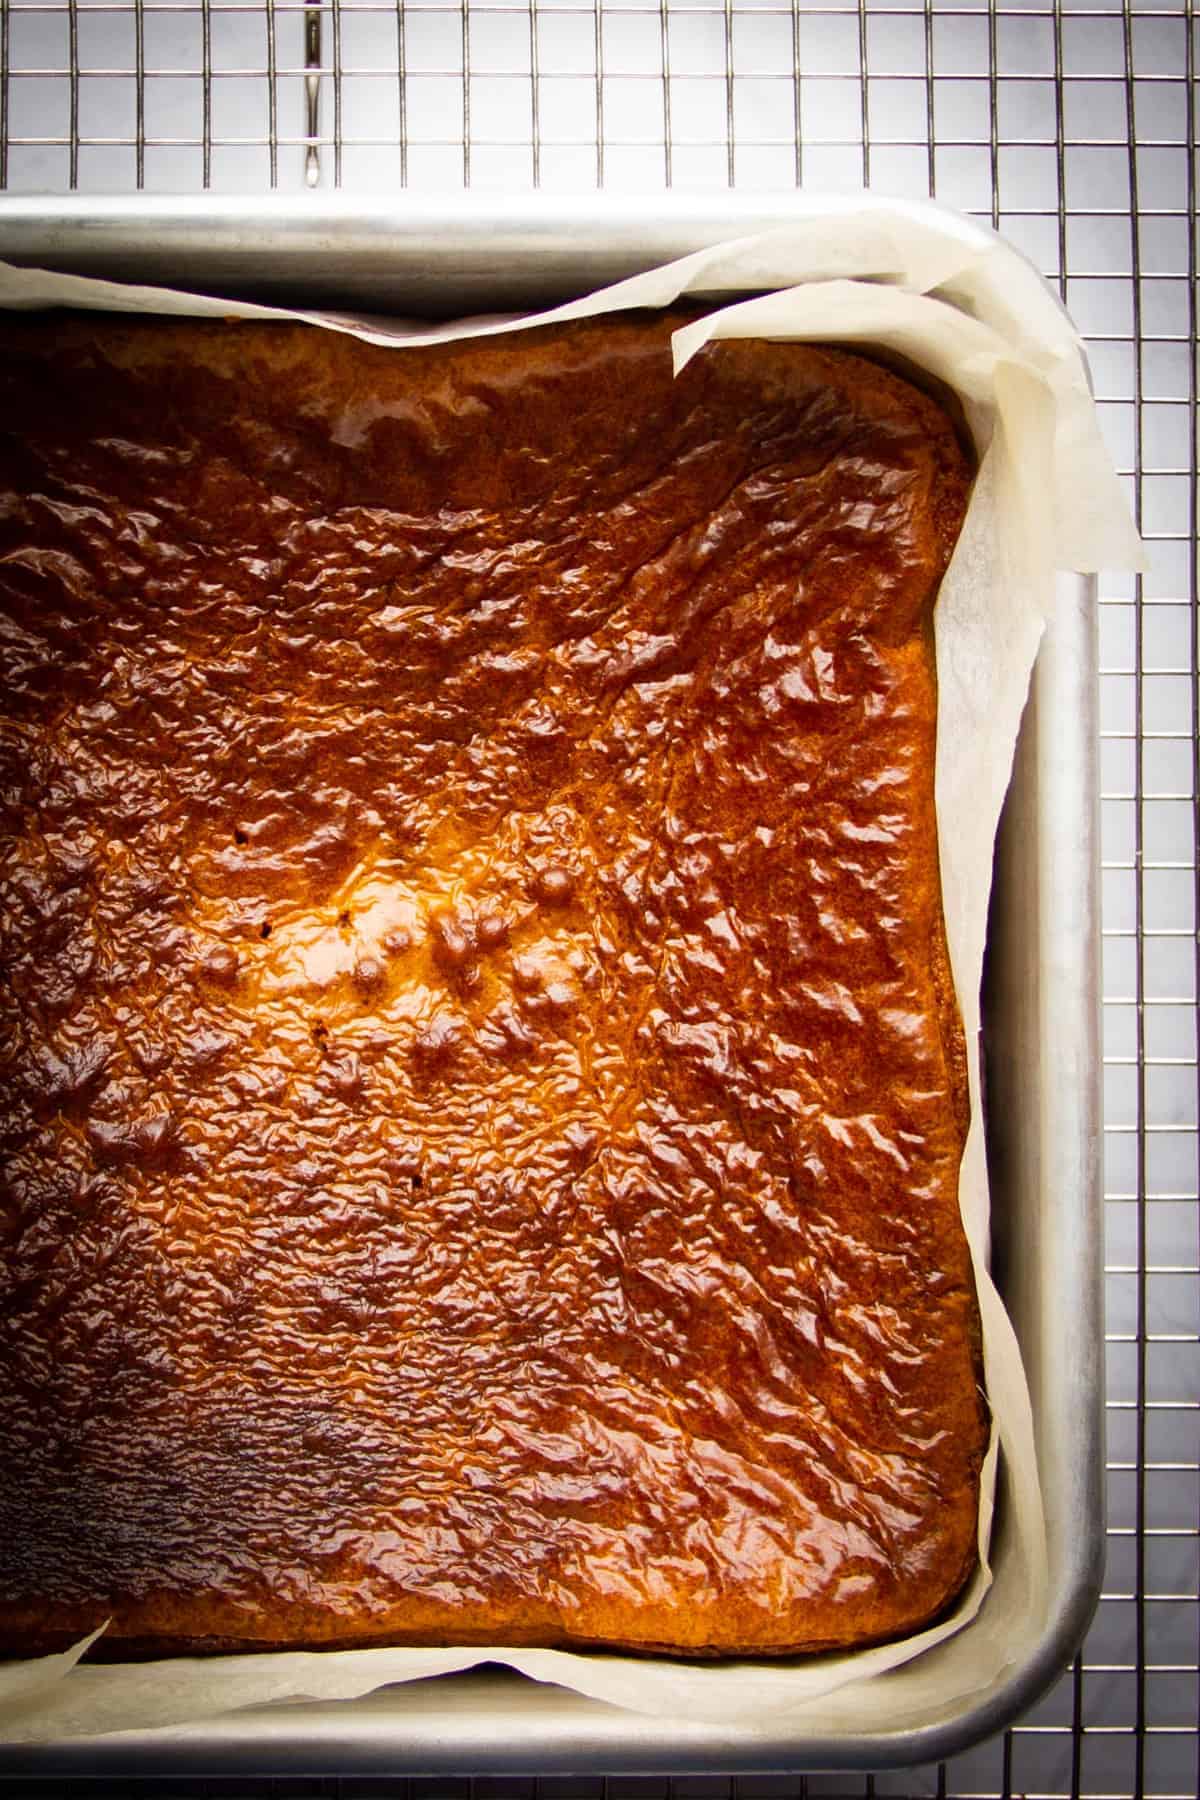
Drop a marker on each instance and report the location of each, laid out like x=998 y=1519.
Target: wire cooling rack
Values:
x=1073 y=129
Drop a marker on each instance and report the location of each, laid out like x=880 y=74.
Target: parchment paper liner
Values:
x=1046 y=499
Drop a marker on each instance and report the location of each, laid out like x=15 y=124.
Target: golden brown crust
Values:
x=483 y=1087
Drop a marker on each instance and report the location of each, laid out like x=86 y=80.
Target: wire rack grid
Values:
x=1071 y=127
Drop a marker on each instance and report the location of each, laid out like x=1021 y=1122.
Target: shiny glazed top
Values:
x=482 y=1091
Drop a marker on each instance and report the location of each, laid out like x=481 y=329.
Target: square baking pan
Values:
x=449 y=257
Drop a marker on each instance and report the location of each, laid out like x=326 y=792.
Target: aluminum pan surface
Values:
x=1042 y=1034
x=438 y=256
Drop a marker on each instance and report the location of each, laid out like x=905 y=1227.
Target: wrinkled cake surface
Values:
x=482 y=1091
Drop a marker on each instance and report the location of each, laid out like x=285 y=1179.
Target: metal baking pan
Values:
x=444 y=257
